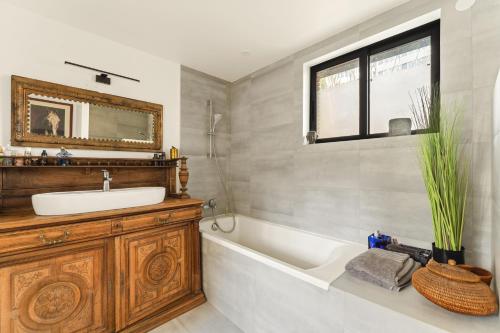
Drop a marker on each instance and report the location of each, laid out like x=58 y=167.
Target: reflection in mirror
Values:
x=50 y=116
x=114 y=124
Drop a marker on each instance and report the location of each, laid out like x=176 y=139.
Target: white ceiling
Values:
x=225 y=38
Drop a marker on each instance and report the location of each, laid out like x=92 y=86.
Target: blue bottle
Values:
x=378 y=240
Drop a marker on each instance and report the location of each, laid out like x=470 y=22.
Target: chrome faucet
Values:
x=106 y=180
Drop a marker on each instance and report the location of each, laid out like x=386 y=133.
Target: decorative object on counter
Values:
x=421 y=255
x=183 y=178
x=7 y=157
x=27 y=156
x=7 y=161
x=1 y=154
x=18 y=158
x=159 y=159
x=311 y=137
x=63 y=157
x=156 y=158
x=399 y=126
x=390 y=270
x=455 y=289
x=483 y=274
x=43 y=160
x=378 y=240
x=445 y=169
x=163 y=157
x=174 y=153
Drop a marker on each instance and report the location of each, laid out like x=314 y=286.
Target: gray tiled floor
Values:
x=203 y=319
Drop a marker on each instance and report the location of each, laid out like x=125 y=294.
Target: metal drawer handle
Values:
x=60 y=240
x=163 y=220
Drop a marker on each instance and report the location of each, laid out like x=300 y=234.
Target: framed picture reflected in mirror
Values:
x=50 y=118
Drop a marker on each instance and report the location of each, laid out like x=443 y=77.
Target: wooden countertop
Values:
x=27 y=219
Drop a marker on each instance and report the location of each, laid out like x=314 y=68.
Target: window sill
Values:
x=401 y=141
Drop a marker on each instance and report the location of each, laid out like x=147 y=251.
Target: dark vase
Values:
x=442 y=256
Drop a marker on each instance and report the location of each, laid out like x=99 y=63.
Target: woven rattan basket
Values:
x=455 y=289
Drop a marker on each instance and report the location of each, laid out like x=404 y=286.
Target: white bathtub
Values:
x=310 y=257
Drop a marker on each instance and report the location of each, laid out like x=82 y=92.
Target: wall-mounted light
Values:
x=462 y=5
x=103 y=78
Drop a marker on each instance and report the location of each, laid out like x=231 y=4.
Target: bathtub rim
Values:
x=312 y=233
x=278 y=264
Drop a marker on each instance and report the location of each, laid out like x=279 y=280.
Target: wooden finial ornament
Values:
x=183 y=178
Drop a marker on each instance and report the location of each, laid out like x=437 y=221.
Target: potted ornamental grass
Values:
x=445 y=171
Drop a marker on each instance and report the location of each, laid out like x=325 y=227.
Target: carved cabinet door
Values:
x=154 y=271
x=60 y=290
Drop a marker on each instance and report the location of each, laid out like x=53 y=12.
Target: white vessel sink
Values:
x=62 y=203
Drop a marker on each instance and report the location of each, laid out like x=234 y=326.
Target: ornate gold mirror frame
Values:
x=21 y=135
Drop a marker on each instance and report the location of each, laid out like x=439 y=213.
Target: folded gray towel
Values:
x=396 y=256
x=405 y=280
x=407 y=267
x=380 y=264
x=388 y=269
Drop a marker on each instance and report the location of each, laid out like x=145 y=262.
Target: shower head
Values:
x=217 y=118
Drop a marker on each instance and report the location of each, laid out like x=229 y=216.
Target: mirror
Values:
x=49 y=114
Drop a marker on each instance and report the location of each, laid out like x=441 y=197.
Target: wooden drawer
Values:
x=161 y=218
x=45 y=237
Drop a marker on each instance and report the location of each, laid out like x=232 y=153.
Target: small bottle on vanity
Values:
x=17 y=158
x=43 y=158
x=27 y=156
x=174 y=153
x=7 y=160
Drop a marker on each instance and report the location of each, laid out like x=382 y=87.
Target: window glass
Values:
x=395 y=76
x=337 y=100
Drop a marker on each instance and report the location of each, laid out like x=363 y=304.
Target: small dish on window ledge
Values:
x=311 y=137
x=399 y=126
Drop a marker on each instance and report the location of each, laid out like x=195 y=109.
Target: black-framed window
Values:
x=355 y=95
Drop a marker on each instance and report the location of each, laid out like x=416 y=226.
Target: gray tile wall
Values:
x=345 y=189
x=350 y=189
x=196 y=89
x=495 y=235
x=496 y=170
x=485 y=44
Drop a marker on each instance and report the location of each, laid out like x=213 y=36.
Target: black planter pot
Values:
x=442 y=256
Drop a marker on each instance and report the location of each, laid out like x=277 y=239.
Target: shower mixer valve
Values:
x=211 y=203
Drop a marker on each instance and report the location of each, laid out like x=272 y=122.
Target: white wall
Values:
x=36 y=47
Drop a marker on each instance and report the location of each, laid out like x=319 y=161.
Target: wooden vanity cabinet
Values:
x=154 y=270
x=127 y=270
x=64 y=289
